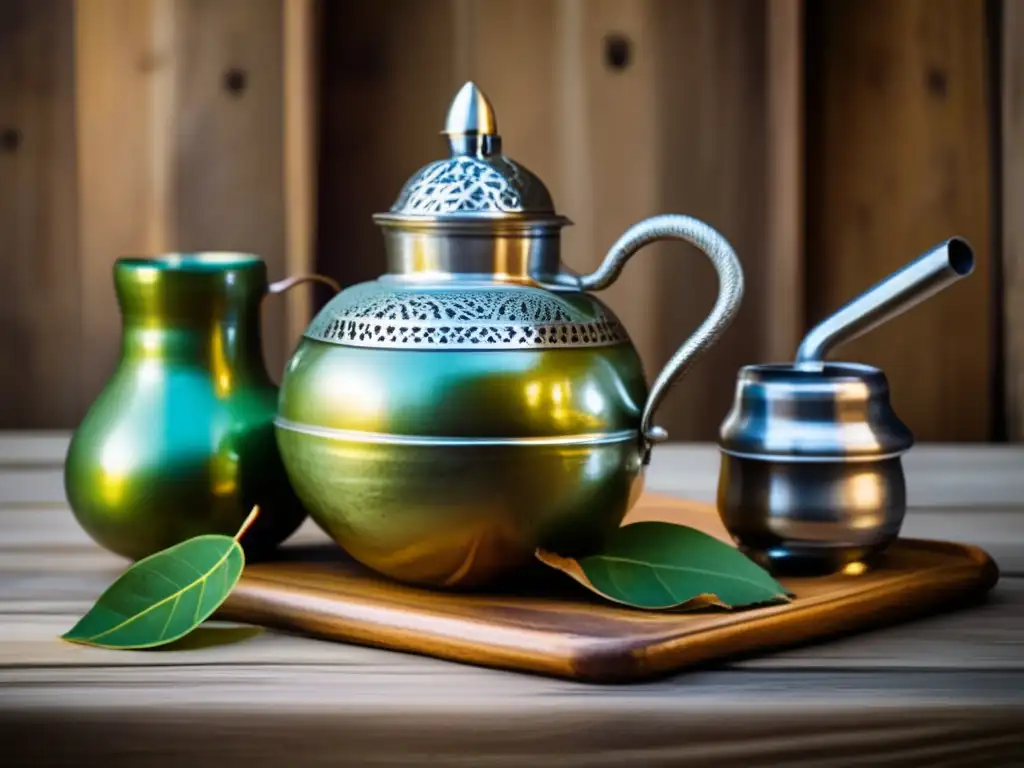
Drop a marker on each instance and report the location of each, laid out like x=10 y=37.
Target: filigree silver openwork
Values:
x=500 y=318
x=460 y=185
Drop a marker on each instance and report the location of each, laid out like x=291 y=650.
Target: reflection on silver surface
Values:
x=843 y=412
x=470 y=460
x=811 y=516
x=927 y=275
x=811 y=477
x=449 y=253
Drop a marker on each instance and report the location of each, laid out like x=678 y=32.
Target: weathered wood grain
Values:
x=40 y=333
x=898 y=161
x=385 y=84
x=40 y=605
x=181 y=147
x=52 y=533
x=319 y=715
x=20 y=448
x=301 y=44
x=784 y=249
x=939 y=476
x=124 y=104
x=710 y=142
x=941 y=691
x=1011 y=204
x=229 y=141
x=559 y=630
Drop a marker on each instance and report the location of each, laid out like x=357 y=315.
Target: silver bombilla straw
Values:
x=918 y=280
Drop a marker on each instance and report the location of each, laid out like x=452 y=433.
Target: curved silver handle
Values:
x=730 y=295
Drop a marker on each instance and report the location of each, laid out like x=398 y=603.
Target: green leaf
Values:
x=658 y=566
x=165 y=596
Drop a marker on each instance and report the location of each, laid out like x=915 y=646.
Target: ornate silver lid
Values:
x=477 y=181
x=471 y=241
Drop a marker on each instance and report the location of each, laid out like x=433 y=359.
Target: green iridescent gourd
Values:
x=477 y=402
x=180 y=442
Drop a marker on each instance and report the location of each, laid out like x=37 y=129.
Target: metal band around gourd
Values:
x=359 y=436
x=796 y=458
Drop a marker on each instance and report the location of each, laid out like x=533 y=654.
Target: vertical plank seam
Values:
x=300 y=149
x=999 y=408
x=161 y=227
x=1012 y=194
x=785 y=313
x=574 y=132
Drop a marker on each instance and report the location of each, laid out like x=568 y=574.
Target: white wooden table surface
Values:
x=941 y=691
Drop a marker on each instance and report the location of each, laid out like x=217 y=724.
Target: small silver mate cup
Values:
x=811 y=477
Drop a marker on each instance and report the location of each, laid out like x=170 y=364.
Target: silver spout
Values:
x=918 y=280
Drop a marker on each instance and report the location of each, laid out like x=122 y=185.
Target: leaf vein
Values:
x=199 y=602
x=163 y=576
x=175 y=558
x=170 y=615
x=682 y=569
x=665 y=584
x=165 y=600
x=610 y=572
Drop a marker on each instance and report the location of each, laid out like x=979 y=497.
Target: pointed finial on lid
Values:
x=471 y=125
x=477 y=181
x=471 y=112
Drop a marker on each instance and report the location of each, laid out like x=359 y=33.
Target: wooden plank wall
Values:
x=301 y=151
x=898 y=160
x=41 y=352
x=677 y=125
x=131 y=127
x=180 y=141
x=785 y=319
x=139 y=126
x=1012 y=220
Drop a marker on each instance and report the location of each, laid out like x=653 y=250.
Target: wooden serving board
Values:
x=552 y=626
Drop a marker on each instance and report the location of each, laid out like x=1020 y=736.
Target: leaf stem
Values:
x=248 y=522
